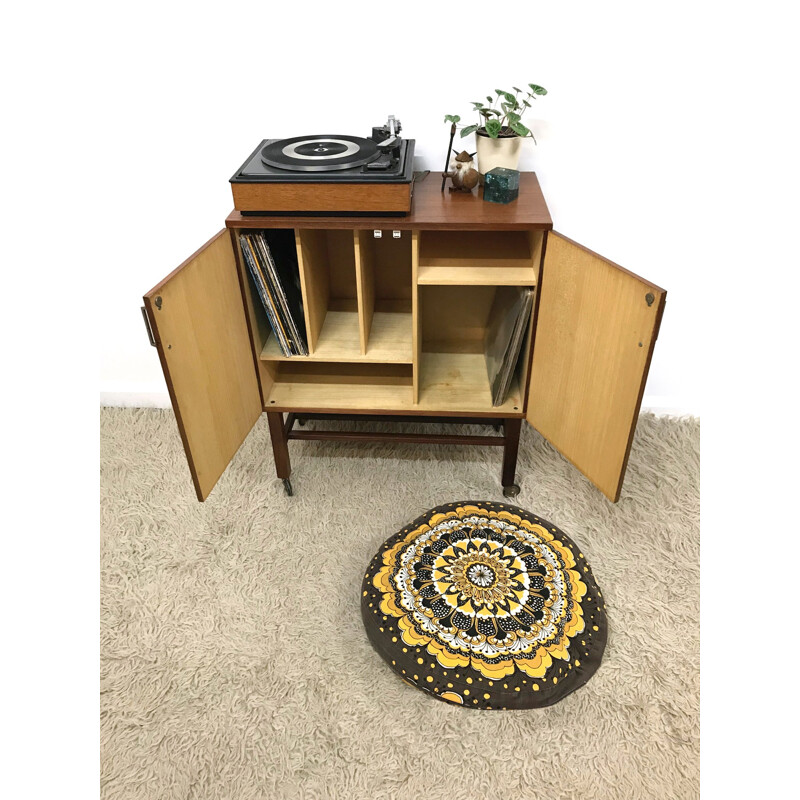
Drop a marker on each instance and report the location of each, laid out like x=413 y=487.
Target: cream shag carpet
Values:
x=235 y=665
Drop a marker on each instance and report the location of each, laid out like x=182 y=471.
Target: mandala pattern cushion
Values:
x=485 y=605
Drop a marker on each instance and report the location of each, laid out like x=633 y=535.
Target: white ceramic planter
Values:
x=500 y=152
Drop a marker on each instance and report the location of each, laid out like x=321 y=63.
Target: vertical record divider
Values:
x=365 y=286
x=416 y=337
x=314 y=288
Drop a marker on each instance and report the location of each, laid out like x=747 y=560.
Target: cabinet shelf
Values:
x=339 y=340
x=360 y=387
x=466 y=248
x=458 y=382
x=476 y=276
x=477 y=258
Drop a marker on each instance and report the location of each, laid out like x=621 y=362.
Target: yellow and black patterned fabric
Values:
x=485 y=605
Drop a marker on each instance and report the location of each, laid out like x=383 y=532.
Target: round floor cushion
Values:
x=485 y=605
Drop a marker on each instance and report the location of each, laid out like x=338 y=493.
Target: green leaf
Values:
x=499 y=91
x=492 y=111
x=469 y=129
x=509 y=98
x=493 y=127
x=512 y=117
x=477 y=105
x=454 y=118
x=516 y=89
x=488 y=97
x=519 y=128
x=537 y=89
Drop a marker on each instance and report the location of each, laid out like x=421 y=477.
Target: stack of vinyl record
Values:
x=271 y=258
x=509 y=317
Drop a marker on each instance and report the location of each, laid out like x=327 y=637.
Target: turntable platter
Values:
x=319 y=153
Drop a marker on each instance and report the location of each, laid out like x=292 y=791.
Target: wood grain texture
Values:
x=416 y=335
x=481 y=258
x=391 y=260
x=198 y=317
x=454 y=317
x=340 y=340
x=511 y=431
x=299 y=372
x=305 y=290
x=312 y=256
x=365 y=285
x=337 y=386
x=470 y=248
x=280 y=449
x=382 y=389
x=536 y=242
x=390 y=338
x=328 y=197
x=476 y=276
x=458 y=382
x=539 y=249
x=341 y=263
x=594 y=339
x=432 y=209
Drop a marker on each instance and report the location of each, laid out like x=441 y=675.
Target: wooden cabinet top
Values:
x=432 y=208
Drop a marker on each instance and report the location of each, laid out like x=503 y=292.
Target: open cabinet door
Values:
x=595 y=332
x=198 y=319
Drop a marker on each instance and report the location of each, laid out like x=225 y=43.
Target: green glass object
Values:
x=501 y=185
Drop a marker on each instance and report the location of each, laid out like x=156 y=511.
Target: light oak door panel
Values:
x=197 y=315
x=595 y=333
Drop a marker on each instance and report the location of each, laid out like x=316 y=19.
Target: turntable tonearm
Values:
x=328 y=175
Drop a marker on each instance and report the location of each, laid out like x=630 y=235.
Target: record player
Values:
x=328 y=175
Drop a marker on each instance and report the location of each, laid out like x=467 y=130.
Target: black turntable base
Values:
x=330 y=175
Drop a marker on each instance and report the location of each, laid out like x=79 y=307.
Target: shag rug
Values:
x=235 y=663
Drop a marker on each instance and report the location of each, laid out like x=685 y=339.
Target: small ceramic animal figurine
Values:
x=463 y=173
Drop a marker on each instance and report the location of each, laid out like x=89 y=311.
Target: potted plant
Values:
x=500 y=130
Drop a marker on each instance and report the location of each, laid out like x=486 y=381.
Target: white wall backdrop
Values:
x=186 y=93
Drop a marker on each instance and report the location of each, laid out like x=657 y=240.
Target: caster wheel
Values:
x=511 y=491
x=287 y=486
x=301 y=421
x=498 y=428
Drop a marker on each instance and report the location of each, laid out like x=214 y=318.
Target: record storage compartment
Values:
x=452 y=363
x=394 y=322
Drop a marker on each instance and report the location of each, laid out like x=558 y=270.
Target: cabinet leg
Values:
x=511 y=427
x=280 y=445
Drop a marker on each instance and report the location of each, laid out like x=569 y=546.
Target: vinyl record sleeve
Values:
x=282 y=250
x=278 y=293
x=259 y=278
x=504 y=336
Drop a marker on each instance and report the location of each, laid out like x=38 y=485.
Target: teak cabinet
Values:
x=395 y=327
